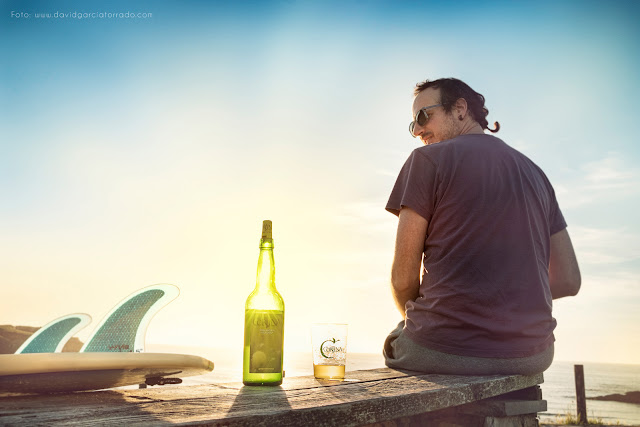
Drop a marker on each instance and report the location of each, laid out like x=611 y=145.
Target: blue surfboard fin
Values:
x=124 y=328
x=52 y=337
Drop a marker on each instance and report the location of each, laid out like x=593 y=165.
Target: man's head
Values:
x=446 y=108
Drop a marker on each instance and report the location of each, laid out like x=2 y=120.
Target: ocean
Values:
x=600 y=379
x=558 y=388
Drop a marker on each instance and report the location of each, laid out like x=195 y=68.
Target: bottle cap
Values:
x=266 y=229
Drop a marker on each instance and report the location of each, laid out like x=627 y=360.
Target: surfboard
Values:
x=65 y=372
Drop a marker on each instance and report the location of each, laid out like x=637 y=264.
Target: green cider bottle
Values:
x=264 y=321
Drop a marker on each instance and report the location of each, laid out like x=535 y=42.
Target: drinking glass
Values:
x=329 y=347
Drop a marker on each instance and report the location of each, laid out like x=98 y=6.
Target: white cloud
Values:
x=612 y=173
x=617 y=286
x=610 y=178
x=367 y=216
x=384 y=172
x=605 y=246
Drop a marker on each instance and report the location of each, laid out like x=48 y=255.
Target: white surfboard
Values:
x=64 y=372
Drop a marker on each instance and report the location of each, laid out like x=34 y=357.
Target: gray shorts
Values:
x=401 y=352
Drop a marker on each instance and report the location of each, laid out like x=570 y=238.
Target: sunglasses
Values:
x=421 y=118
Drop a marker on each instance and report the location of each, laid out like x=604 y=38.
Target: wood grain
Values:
x=373 y=396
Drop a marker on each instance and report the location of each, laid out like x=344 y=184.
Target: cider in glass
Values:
x=329 y=349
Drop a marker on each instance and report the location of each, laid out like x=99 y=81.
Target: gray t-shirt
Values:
x=491 y=212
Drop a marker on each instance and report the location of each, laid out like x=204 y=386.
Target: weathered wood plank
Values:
x=309 y=381
x=504 y=408
x=345 y=404
x=531 y=393
x=292 y=383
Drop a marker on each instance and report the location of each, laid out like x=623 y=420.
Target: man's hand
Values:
x=564 y=273
x=405 y=273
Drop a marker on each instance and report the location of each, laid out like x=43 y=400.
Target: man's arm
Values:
x=564 y=273
x=405 y=272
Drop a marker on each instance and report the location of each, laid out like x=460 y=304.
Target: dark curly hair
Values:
x=453 y=89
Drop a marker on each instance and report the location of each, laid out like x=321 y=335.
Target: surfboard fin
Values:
x=124 y=328
x=52 y=337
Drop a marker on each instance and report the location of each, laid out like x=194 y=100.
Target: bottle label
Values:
x=266 y=336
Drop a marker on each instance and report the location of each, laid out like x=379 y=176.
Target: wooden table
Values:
x=384 y=396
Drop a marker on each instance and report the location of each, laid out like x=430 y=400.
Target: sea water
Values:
x=600 y=379
x=558 y=388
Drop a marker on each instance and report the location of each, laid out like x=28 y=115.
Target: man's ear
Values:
x=461 y=106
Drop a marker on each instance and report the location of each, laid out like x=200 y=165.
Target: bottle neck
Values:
x=266 y=278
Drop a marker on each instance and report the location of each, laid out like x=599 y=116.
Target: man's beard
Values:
x=449 y=129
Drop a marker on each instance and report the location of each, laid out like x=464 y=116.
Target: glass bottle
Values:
x=264 y=321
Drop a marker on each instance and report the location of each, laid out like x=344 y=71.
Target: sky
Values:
x=148 y=149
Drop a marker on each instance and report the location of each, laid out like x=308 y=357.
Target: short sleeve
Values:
x=415 y=186
x=556 y=219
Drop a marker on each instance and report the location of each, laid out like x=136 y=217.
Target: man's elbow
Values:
x=564 y=272
x=403 y=282
x=573 y=286
x=575 y=281
x=566 y=288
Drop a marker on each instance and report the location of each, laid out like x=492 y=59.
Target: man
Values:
x=484 y=221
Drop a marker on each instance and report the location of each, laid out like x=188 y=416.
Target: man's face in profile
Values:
x=440 y=126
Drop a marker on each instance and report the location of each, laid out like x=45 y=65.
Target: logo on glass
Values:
x=330 y=351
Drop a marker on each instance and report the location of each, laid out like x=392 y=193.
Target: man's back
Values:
x=490 y=214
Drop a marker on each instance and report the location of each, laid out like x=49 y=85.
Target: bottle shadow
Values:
x=264 y=400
